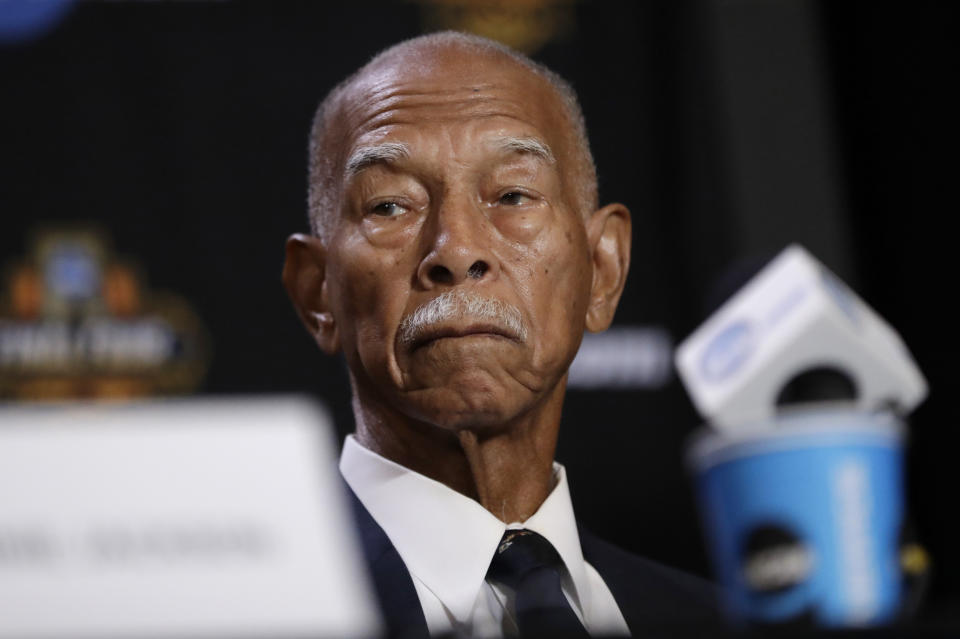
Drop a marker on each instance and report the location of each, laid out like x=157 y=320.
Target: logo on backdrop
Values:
x=77 y=321
x=25 y=20
x=623 y=358
x=526 y=25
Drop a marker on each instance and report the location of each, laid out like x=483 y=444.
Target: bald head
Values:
x=331 y=160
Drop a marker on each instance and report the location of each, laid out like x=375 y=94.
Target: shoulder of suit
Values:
x=648 y=589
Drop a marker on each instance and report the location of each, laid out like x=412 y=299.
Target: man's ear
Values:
x=304 y=277
x=608 y=232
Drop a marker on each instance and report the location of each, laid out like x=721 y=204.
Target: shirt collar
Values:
x=556 y=522
x=447 y=539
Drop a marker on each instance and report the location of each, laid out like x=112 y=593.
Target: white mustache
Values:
x=458 y=305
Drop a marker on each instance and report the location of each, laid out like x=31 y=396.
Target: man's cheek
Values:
x=376 y=330
x=376 y=359
x=524 y=227
x=554 y=290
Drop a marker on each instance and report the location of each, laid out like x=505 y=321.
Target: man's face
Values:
x=458 y=179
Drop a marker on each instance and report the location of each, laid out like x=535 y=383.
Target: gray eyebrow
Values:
x=529 y=145
x=365 y=156
x=387 y=152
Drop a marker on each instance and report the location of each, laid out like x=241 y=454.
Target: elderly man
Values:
x=458 y=253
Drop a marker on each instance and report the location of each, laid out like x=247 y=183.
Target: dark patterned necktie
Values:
x=528 y=564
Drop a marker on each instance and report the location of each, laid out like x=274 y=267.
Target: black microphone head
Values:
x=821 y=384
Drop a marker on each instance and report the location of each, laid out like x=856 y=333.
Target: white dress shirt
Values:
x=447 y=541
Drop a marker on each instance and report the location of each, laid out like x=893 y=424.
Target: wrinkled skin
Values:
x=471 y=404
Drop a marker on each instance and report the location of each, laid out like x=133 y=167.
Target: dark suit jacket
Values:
x=655 y=600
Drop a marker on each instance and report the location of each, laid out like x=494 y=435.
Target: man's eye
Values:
x=514 y=198
x=388 y=209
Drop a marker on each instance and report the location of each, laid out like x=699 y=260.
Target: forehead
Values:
x=425 y=91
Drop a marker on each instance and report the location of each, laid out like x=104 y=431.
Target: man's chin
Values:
x=467 y=360
x=458 y=408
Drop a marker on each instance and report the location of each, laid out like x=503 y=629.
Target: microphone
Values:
x=795 y=333
x=805 y=506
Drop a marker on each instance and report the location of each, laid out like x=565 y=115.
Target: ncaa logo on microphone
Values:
x=727 y=352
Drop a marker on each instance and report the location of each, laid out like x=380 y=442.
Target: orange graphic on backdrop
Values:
x=77 y=322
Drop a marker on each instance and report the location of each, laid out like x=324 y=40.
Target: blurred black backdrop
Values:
x=730 y=128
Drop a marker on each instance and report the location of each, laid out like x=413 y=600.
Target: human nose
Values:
x=459 y=248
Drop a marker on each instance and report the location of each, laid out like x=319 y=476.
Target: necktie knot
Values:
x=520 y=553
x=528 y=564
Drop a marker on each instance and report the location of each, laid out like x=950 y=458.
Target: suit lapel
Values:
x=399 y=602
x=656 y=601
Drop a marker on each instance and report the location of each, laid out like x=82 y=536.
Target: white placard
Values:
x=187 y=518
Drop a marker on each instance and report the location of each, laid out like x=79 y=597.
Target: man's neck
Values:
x=507 y=469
